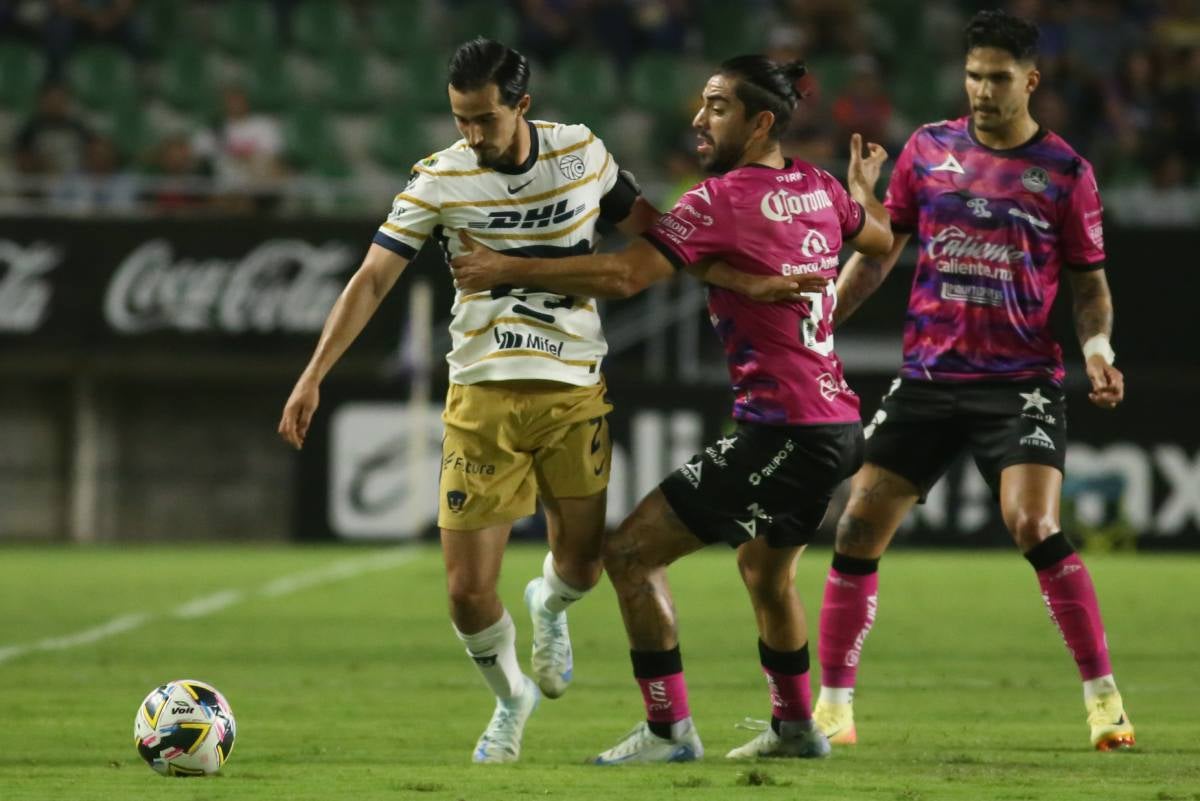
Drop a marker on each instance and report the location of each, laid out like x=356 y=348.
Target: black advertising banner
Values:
x=88 y=284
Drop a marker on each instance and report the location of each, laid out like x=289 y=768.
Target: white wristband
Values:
x=1099 y=346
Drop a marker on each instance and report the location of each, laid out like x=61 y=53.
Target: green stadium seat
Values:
x=481 y=18
x=729 y=34
x=186 y=80
x=324 y=26
x=349 y=86
x=22 y=69
x=244 y=26
x=311 y=145
x=102 y=77
x=399 y=140
x=584 y=87
x=660 y=83
x=402 y=29
x=129 y=127
x=267 y=80
x=166 y=23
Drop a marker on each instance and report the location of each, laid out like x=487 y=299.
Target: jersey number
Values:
x=810 y=324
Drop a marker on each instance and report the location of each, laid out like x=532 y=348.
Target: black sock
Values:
x=661 y=728
x=1050 y=551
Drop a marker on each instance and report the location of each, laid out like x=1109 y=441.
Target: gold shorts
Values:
x=507 y=441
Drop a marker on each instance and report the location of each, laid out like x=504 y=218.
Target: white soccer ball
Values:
x=184 y=728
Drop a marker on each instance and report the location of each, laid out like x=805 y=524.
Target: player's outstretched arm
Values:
x=1093 y=311
x=354 y=307
x=875 y=238
x=600 y=275
x=861 y=276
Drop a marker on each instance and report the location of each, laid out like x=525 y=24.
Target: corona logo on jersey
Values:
x=782 y=205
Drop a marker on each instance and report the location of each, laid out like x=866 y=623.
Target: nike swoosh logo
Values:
x=512 y=190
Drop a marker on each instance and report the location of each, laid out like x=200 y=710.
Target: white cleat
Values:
x=501 y=740
x=799 y=739
x=552 y=661
x=643 y=745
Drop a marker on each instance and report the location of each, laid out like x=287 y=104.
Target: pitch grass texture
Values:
x=351 y=685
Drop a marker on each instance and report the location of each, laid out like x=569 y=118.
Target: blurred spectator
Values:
x=53 y=140
x=178 y=171
x=1166 y=201
x=74 y=22
x=245 y=149
x=100 y=186
x=863 y=105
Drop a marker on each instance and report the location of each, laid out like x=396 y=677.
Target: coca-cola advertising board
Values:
x=101 y=283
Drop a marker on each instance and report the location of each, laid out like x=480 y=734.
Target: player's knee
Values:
x=1030 y=527
x=468 y=598
x=622 y=558
x=581 y=572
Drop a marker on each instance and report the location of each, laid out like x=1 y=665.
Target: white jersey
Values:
x=546 y=207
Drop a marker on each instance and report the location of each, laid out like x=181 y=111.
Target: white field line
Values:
x=215 y=602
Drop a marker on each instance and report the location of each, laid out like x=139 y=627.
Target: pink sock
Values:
x=791 y=695
x=1071 y=600
x=847 y=614
x=665 y=698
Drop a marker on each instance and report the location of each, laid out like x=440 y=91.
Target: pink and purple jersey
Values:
x=994 y=228
x=765 y=221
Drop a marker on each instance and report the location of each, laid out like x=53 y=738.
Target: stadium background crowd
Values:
x=302 y=106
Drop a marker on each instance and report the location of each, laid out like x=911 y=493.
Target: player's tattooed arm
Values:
x=861 y=276
x=1093 y=311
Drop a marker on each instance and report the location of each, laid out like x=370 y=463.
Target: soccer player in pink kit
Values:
x=764 y=488
x=1001 y=208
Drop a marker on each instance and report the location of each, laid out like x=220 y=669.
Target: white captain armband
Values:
x=1098 y=345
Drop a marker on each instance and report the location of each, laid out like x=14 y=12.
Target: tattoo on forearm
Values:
x=1092 y=306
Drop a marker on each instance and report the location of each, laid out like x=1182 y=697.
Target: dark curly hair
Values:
x=1004 y=31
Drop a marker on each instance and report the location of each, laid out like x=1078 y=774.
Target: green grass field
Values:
x=348 y=683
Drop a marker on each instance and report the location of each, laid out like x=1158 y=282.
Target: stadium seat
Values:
x=244 y=26
x=399 y=140
x=166 y=23
x=21 y=71
x=584 y=86
x=402 y=29
x=267 y=80
x=102 y=77
x=324 y=26
x=349 y=86
x=186 y=80
x=660 y=83
x=725 y=34
x=480 y=18
x=129 y=127
x=310 y=143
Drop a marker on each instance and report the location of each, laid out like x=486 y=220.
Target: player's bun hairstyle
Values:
x=764 y=85
x=479 y=62
x=1004 y=31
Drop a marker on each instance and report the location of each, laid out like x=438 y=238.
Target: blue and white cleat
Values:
x=552 y=661
x=501 y=740
x=643 y=745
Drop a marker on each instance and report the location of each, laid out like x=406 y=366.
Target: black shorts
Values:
x=764 y=480
x=923 y=426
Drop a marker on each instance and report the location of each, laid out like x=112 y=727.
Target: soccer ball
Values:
x=184 y=728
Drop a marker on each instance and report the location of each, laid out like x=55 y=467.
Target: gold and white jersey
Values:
x=545 y=207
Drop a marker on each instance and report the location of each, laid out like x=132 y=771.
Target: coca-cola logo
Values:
x=24 y=291
x=281 y=286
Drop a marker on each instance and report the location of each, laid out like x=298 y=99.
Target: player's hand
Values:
x=864 y=171
x=298 y=412
x=478 y=268
x=1108 y=384
x=774 y=288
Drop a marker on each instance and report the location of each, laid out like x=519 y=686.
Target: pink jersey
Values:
x=766 y=221
x=994 y=229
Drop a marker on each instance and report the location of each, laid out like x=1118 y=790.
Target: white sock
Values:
x=556 y=595
x=1101 y=685
x=494 y=652
x=836 y=695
